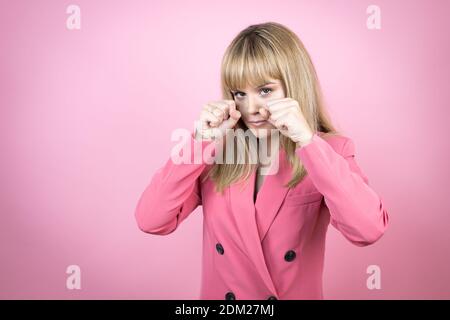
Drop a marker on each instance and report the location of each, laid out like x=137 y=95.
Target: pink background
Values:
x=83 y=111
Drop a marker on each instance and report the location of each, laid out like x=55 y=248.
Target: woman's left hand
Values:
x=285 y=114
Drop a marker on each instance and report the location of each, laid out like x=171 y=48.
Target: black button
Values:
x=230 y=296
x=219 y=248
x=272 y=298
x=289 y=256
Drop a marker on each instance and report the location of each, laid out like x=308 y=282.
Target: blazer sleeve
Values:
x=174 y=190
x=355 y=208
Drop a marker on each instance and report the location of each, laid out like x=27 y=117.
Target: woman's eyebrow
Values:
x=265 y=84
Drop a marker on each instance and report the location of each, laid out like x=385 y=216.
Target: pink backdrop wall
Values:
x=86 y=117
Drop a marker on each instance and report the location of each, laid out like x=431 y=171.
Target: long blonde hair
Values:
x=257 y=53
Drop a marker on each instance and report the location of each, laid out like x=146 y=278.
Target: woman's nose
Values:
x=253 y=105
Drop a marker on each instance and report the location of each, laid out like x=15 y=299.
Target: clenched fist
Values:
x=215 y=118
x=285 y=114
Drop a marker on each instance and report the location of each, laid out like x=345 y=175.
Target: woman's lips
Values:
x=258 y=123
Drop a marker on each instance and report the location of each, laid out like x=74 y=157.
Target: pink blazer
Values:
x=274 y=248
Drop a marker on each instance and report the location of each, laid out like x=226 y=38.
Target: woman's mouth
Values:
x=258 y=123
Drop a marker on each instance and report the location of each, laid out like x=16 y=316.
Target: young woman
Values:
x=264 y=234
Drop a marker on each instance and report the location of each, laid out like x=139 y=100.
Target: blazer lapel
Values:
x=254 y=219
x=272 y=194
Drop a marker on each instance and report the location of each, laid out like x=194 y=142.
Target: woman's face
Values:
x=249 y=102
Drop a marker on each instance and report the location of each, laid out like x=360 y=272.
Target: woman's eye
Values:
x=270 y=90
x=266 y=91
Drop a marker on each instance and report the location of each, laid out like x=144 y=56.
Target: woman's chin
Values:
x=261 y=132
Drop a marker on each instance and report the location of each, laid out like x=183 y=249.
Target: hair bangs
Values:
x=250 y=62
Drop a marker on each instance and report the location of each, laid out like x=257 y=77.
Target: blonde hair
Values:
x=257 y=53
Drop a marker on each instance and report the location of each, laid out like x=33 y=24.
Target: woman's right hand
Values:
x=215 y=118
